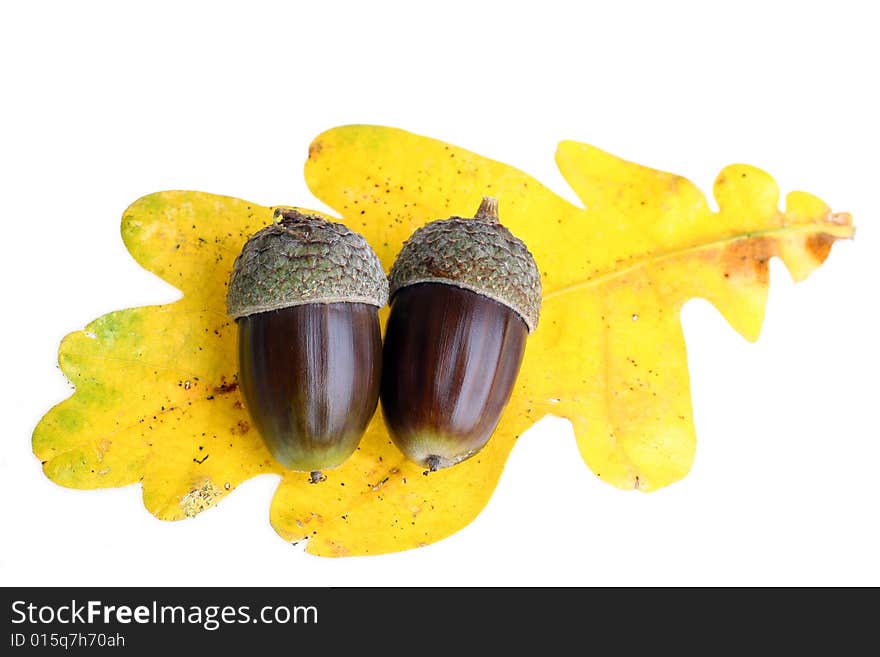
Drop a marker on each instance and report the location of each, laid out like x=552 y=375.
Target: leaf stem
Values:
x=488 y=210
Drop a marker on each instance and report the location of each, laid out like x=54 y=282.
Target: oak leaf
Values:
x=157 y=399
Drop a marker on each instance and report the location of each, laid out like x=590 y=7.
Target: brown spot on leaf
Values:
x=225 y=388
x=748 y=258
x=819 y=245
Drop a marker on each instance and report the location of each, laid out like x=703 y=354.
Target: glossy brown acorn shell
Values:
x=450 y=361
x=310 y=376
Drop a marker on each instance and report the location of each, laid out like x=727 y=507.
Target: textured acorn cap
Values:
x=477 y=254
x=301 y=259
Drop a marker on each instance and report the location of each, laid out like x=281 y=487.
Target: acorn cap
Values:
x=477 y=254
x=304 y=258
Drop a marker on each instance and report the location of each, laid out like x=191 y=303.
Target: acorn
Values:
x=465 y=295
x=305 y=293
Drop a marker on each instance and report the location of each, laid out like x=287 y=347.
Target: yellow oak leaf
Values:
x=609 y=352
x=157 y=400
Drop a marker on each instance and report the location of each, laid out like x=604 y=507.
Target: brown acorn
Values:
x=465 y=294
x=305 y=293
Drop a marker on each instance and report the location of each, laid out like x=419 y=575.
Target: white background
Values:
x=102 y=103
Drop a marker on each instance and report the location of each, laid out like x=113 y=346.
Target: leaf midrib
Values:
x=841 y=231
